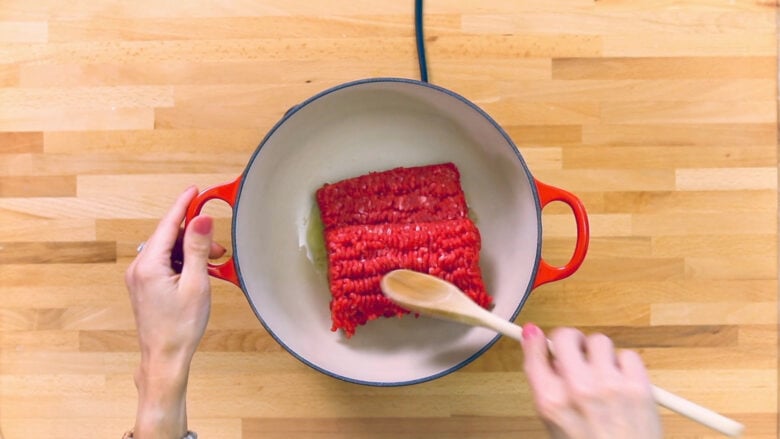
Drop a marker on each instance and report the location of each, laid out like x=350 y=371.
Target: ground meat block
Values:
x=413 y=218
x=401 y=195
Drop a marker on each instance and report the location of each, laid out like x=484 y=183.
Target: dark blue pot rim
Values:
x=470 y=104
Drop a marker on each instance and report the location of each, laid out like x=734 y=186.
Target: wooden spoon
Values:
x=429 y=295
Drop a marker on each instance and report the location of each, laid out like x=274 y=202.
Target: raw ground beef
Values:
x=414 y=218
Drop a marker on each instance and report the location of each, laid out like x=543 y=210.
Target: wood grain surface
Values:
x=660 y=114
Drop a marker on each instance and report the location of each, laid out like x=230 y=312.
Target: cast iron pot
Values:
x=373 y=125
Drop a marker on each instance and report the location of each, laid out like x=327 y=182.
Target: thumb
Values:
x=197 y=245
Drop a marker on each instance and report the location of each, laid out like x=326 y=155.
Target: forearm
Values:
x=162 y=392
x=171 y=307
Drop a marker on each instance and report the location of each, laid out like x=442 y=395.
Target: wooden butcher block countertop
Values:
x=660 y=115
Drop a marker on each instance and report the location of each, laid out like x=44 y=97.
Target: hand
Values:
x=171 y=312
x=588 y=391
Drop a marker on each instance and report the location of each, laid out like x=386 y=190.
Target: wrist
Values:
x=171 y=368
x=162 y=390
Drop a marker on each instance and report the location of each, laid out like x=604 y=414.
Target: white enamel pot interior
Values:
x=373 y=125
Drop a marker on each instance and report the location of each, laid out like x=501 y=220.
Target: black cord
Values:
x=418 y=30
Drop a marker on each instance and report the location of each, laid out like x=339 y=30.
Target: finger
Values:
x=605 y=397
x=633 y=367
x=569 y=345
x=601 y=353
x=549 y=391
x=217 y=251
x=541 y=375
x=637 y=381
x=575 y=372
x=197 y=246
x=164 y=237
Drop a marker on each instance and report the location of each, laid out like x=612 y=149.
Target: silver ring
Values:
x=140 y=247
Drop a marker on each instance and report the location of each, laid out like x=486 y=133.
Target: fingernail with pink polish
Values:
x=203 y=226
x=530 y=330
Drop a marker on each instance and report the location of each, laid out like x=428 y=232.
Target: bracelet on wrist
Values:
x=190 y=435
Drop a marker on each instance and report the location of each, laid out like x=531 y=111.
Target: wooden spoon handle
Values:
x=700 y=414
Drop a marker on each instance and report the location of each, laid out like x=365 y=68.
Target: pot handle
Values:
x=550 y=273
x=226 y=192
